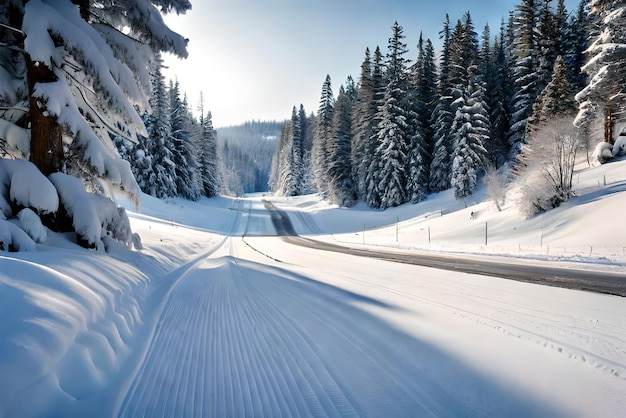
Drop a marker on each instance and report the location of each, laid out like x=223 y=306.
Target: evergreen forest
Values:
x=416 y=123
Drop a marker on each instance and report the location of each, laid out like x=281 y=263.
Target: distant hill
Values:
x=246 y=153
x=264 y=130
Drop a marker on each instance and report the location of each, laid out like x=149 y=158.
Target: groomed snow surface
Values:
x=217 y=316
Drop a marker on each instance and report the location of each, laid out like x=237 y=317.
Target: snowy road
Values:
x=323 y=334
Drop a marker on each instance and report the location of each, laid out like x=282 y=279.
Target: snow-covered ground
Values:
x=587 y=229
x=217 y=317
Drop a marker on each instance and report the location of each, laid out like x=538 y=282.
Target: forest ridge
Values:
x=408 y=128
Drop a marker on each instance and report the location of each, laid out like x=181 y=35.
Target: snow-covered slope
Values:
x=587 y=229
x=201 y=322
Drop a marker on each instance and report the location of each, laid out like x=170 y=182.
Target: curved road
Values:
x=593 y=281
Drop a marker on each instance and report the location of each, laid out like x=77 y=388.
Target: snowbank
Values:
x=27 y=187
x=93 y=216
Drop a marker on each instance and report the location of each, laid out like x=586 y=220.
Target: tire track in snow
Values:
x=220 y=349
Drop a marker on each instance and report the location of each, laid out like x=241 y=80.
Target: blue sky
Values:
x=256 y=59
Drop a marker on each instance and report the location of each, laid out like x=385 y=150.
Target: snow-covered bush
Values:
x=496 y=187
x=12 y=238
x=31 y=224
x=23 y=184
x=23 y=188
x=547 y=163
x=534 y=196
x=602 y=153
x=92 y=215
x=619 y=147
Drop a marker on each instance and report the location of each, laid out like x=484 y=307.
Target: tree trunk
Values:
x=83 y=6
x=46 y=141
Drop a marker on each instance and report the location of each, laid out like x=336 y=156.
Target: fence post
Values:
x=485 y=233
x=397 y=224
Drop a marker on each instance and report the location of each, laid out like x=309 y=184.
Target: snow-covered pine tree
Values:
x=427 y=89
x=297 y=151
x=470 y=132
x=83 y=68
x=417 y=175
x=499 y=94
x=340 y=182
x=441 y=120
x=274 y=178
x=160 y=139
x=391 y=153
x=142 y=164
x=420 y=107
x=322 y=132
x=606 y=63
x=525 y=75
x=463 y=51
x=575 y=43
x=207 y=151
x=556 y=99
x=304 y=179
x=462 y=54
x=372 y=181
x=285 y=174
x=393 y=128
x=363 y=114
x=183 y=150
x=549 y=31
x=444 y=62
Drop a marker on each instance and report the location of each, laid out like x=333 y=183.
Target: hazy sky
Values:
x=256 y=59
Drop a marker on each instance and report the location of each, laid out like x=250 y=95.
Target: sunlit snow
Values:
x=217 y=316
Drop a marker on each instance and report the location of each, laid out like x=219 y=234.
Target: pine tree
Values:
x=463 y=54
x=207 y=149
x=304 y=168
x=141 y=161
x=183 y=150
x=470 y=132
x=372 y=162
x=526 y=77
x=499 y=94
x=393 y=129
x=161 y=144
x=91 y=64
x=575 y=43
x=391 y=153
x=428 y=98
x=321 y=135
x=341 y=187
x=286 y=181
x=417 y=180
x=606 y=63
x=424 y=88
x=277 y=161
x=556 y=100
x=363 y=114
x=293 y=188
x=442 y=117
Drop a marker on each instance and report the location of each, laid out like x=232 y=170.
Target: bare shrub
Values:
x=547 y=163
